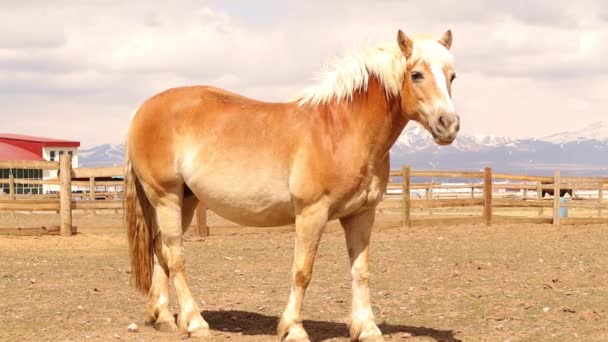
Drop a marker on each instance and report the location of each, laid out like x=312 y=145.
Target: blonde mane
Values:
x=344 y=76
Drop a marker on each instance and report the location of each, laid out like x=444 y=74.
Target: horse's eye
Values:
x=453 y=78
x=417 y=76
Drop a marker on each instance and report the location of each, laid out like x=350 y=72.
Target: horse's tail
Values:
x=140 y=218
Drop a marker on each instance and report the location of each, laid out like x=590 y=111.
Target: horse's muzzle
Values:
x=446 y=128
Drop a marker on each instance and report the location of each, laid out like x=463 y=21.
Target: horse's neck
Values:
x=378 y=118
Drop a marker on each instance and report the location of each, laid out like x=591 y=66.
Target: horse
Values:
x=551 y=192
x=323 y=155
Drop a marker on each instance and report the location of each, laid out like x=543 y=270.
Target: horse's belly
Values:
x=250 y=211
x=246 y=199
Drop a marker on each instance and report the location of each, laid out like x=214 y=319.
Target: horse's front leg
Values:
x=310 y=224
x=357 y=230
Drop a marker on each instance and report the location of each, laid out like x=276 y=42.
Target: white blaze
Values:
x=445 y=102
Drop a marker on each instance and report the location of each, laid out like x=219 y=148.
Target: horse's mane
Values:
x=344 y=76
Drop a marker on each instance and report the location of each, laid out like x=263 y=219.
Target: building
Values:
x=24 y=147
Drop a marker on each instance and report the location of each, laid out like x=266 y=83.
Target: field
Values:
x=457 y=283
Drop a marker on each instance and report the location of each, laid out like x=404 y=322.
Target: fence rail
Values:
x=482 y=189
x=66 y=200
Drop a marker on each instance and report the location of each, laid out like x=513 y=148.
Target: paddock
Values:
x=478 y=260
x=452 y=283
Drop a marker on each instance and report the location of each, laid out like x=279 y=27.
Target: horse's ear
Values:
x=446 y=40
x=405 y=44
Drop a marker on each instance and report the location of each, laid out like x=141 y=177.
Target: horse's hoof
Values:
x=366 y=331
x=297 y=334
x=197 y=327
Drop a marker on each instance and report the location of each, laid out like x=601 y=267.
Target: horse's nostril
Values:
x=443 y=123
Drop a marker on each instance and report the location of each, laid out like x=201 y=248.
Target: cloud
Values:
x=18 y=32
x=83 y=64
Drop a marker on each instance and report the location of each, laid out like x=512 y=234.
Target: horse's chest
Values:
x=375 y=191
x=367 y=195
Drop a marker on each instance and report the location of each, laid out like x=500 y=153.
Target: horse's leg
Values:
x=169 y=216
x=158 y=313
x=357 y=230
x=309 y=227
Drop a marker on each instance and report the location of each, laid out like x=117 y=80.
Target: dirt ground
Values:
x=460 y=283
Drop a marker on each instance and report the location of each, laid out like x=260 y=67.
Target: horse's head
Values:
x=426 y=94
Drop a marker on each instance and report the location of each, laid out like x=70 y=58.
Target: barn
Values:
x=25 y=147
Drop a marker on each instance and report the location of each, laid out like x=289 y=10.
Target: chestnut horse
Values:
x=320 y=157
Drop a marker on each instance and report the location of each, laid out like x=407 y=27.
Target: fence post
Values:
x=539 y=196
x=11 y=186
x=431 y=196
x=65 y=194
x=487 y=196
x=202 y=230
x=92 y=188
x=556 y=197
x=405 y=195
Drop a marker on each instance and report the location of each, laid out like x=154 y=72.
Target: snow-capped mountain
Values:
x=594 y=131
x=416 y=138
x=583 y=152
x=102 y=155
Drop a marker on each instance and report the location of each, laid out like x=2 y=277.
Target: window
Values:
x=22 y=189
x=52 y=156
x=70 y=153
x=4 y=187
x=60 y=152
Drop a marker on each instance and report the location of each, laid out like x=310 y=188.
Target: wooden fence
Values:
x=66 y=200
x=482 y=190
x=488 y=197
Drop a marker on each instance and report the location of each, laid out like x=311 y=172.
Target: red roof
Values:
x=44 y=141
x=10 y=152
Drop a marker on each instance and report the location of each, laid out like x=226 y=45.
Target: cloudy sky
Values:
x=76 y=69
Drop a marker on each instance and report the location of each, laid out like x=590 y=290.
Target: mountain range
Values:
x=577 y=152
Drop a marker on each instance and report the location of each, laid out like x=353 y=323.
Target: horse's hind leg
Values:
x=170 y=225
x=158 y=313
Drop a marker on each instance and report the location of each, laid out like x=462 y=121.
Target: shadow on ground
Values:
x=252 y=324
